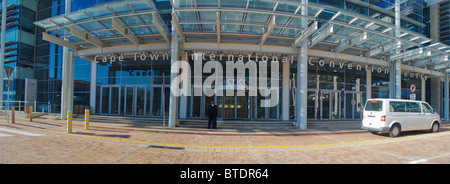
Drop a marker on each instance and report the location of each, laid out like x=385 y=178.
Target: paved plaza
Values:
x=45 y=141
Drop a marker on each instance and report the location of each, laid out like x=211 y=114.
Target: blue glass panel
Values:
x=61 y=20
x=281 y=20
x=131 y=20
x=187 y=16
x=231 y=16
x=61 y=31
x=232 y=28
x=253 y=29
x=234 y=3
x=121 y=8
x=276 y=31
x=141 y=6
x=99 y=12
x=106 y=22
x=297 y=22
x=208 y=15
x=78 y=16
x=208 y=27
x=190 y=27
x=262 y=5
x=257 y=17
x=290 y=32
x=92 y=26
x=105 y=34
x=288 y=8
x=46 y=24
x=140 y=30
x=147 y=18
x=74 y=38
x=207 y=3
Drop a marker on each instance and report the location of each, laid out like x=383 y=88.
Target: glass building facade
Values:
x=116 y=75
x=19 y=46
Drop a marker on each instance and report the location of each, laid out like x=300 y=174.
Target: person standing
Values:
x=212 y=113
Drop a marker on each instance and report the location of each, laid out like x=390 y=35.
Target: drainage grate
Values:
x=167 y=147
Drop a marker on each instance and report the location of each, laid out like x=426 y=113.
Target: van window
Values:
x=374 y=105
x=426 y=108
x=413 y=107
x=397 y=106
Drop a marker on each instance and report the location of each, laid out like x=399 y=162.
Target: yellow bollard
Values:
x=86 y=119
x=69 y=122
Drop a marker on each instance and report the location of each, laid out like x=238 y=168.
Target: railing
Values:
x=20 y=106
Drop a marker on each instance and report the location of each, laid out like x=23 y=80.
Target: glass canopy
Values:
x=269 y=22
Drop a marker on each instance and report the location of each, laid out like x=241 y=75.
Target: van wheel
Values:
x=394 y=131
x=435 y=127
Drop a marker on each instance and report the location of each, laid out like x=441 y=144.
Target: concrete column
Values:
x=2 y=52
x=183 y=98
x=423 y=89
x=93 y=92
x=302 y=86
x=368 y=85
x=396 y=65
x=173 y=104
x=285 y=91
x=398 y=79
x=446 y=90
x=302 y=78
x=66 y=101
x=436 y=94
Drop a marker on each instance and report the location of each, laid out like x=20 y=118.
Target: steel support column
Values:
x=446 y=93
x=285 y=91
x=173 y=102
x=302 y=79
x=67 y=76
x=396 y=76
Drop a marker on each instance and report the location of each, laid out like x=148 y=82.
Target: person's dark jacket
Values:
x=212 y=111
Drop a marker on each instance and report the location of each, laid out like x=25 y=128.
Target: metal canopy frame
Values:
x=268 y=23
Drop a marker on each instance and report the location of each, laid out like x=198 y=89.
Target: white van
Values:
x=395 y=115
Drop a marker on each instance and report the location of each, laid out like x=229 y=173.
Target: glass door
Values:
x=242 y=106
x=115 y=100
x=129 y=101
x=353 y=104
x=109 y=100
x=236 y=107
x=159 y=103
x=330 y=104
x=140 y=96
x=229 y=111
x=311 y=104
x=104 y=107
x=134 y=102
x=156 y=104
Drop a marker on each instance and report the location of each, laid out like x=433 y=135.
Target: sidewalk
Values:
x=314 y=127
x=78 y=123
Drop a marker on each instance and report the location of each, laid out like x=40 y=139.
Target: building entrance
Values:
x=236 y=107
x=334 y=104
x=134 y=100
x=110 y=99
x=330 y=104
x=353 y=104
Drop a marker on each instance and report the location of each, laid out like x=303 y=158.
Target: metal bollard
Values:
x=86 y=119
x=69 y=122
x=13 y=114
